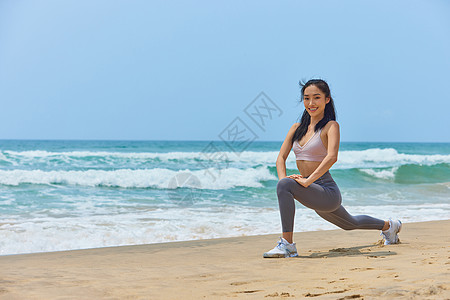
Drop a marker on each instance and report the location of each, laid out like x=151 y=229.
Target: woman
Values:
x=315 y=141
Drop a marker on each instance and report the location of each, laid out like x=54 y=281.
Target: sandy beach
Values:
x=332 y=264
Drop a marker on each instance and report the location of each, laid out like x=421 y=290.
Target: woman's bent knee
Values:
x=284 y=184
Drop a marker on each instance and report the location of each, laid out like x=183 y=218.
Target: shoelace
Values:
x=279 y=245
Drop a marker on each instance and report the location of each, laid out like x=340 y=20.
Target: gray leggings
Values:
x=325 y=198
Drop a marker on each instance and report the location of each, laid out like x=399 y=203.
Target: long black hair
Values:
x=329 y=113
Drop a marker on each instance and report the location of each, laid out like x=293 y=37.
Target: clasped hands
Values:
x=299 y=178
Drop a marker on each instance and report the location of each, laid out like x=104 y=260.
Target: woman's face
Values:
x=314 y=100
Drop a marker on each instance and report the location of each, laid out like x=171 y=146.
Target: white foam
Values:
x=447 y=184
x=382 y=174
x=269 y=156
x=211 y=178
x=132 y=227
x=388 y=157
x=368 y=158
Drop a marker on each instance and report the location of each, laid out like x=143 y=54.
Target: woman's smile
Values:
x=315 y=101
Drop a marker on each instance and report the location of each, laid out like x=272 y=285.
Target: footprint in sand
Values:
x=332 y=292
x=283 y=294
x=236 y=283
x=239 y=283
x=248 y=291
x=356 y=296
x=361 y=269
x=429 y=261
x=391 y=274
x=430 y=291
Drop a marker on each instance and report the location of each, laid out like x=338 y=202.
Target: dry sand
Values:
x=332 y=264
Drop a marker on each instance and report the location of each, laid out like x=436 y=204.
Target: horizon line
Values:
x=158 y=140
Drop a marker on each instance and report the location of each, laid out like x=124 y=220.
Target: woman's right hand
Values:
x=294 y=176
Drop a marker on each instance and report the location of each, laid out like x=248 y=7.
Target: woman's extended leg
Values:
x=341 y=218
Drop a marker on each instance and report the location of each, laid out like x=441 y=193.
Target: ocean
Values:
x=64 y=195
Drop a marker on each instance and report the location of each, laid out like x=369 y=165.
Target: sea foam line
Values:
x=25 y=235
x=211 y=178
x=347 y=159
x=382 y=174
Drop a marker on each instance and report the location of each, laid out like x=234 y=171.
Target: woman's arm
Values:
x=284 y=152
x=333 y=137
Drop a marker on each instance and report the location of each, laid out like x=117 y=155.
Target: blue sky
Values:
x=183 y=70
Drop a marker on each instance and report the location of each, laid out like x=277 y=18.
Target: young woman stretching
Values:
x=316 y=143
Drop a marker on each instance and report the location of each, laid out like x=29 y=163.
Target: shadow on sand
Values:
x=370 y=251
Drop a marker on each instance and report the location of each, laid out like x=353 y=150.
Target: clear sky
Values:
x=183 y=70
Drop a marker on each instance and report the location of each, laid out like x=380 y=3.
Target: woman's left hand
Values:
x=299 y=178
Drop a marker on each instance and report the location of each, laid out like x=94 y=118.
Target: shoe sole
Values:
x=279 y=255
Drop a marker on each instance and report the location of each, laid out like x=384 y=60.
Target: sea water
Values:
x=63 y=195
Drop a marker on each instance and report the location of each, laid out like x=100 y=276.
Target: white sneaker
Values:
x=283 y=249
x=390 y=236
